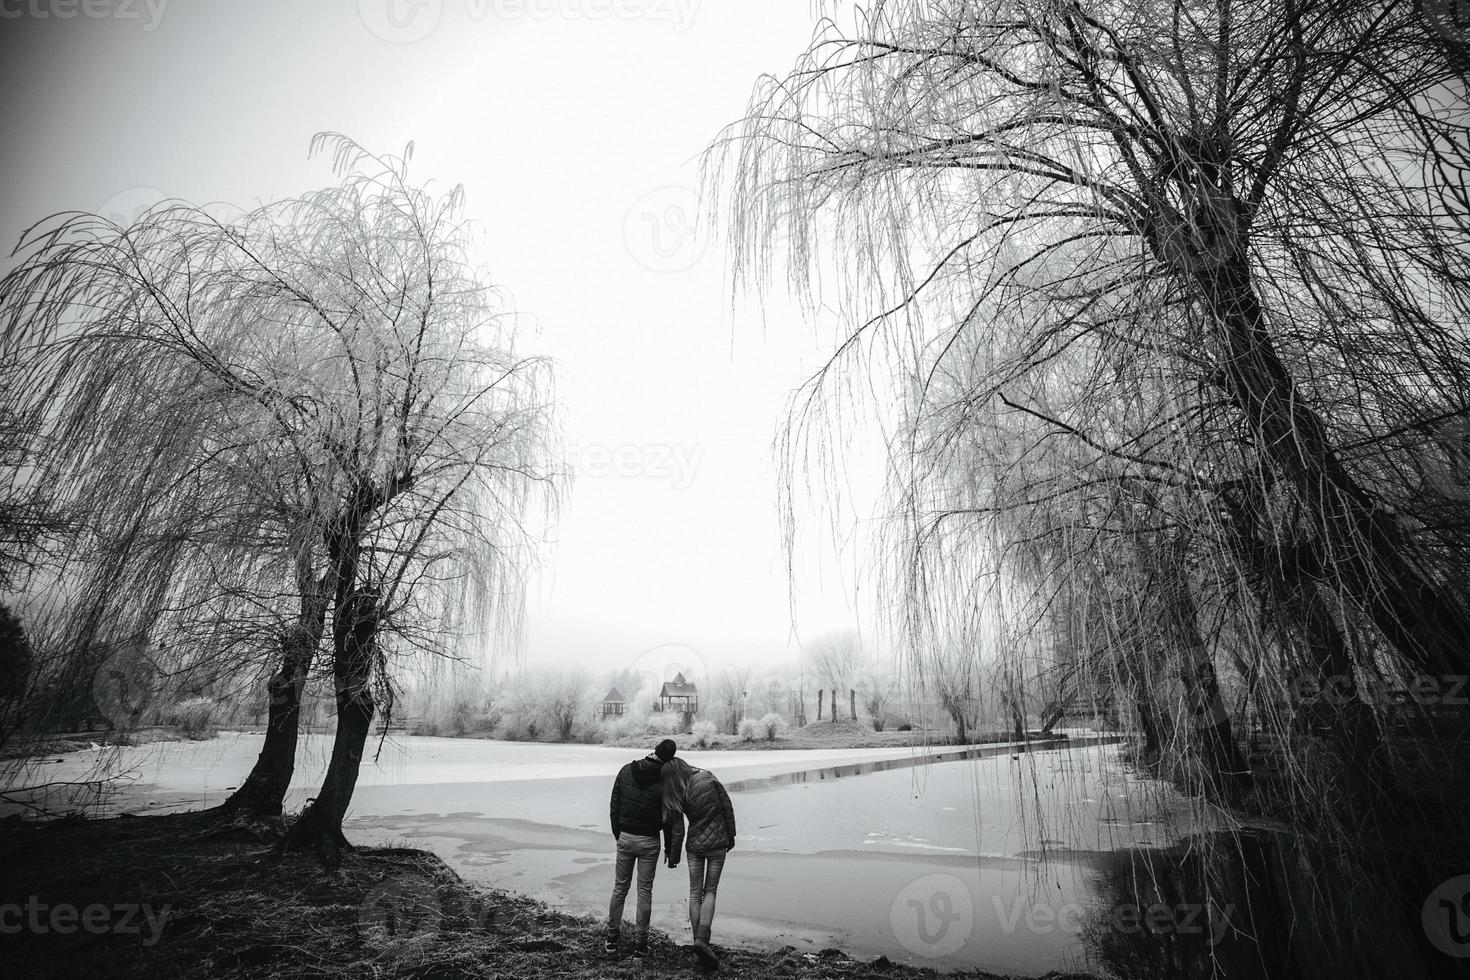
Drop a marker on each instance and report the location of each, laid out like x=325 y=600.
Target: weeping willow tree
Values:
x=1166 y=306
x=310 y=423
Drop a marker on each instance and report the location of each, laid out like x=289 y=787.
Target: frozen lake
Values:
x=985 y=862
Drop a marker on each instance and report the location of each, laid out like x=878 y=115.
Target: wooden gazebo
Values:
x=614 y=704
x=679 y=695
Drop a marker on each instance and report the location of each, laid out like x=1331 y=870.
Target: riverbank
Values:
x=835 y=735
x=817 y=735
x=194 y=895
x=38 y=748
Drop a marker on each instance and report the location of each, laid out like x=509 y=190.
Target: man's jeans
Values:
x=633 y=848
x=704 y=880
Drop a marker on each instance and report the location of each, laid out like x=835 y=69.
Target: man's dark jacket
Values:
x=638 y=798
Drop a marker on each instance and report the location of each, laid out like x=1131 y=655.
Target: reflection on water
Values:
x=1223 y=905
x=927 y=759
x=1247 y=905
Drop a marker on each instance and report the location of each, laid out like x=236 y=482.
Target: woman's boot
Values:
x=707 y=957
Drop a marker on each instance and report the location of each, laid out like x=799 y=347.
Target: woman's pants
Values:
x=704 y=881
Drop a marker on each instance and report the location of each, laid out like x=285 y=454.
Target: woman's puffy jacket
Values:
x=711 y=817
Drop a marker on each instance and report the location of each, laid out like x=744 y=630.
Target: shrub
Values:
x=16 y=656
x=193 y=715
x=750 y=730
x=772 y=725
x=459 y=716
x=905 y=727
x=666 y=723
x=516 y=728
x=612 y=728
x=703 y=735
x=586 y=735
x=635 y=726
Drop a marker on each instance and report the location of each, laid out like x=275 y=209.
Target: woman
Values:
x=698 y=795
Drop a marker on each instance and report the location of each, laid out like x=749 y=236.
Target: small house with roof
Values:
x=614 y=704
x=679 y=695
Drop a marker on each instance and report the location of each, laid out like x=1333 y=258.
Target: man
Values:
x=637 y=812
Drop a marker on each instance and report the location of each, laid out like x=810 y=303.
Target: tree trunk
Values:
x=1148 y=720
x=1052 y=714
x=821 y=693
x=264 y=790
x=1362 y=545
x=852 y=702
x=355 y=629
x=1325 y=671
x=1166 y=563
x=956 y=709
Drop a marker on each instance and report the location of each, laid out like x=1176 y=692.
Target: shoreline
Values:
x=218 y=899
x=844 y=735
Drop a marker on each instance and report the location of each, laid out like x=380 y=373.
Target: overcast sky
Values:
x=575 y=126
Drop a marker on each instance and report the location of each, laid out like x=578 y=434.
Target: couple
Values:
x=652 y=795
